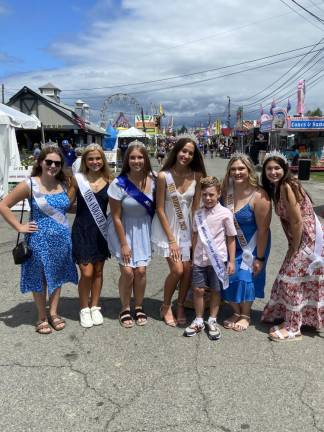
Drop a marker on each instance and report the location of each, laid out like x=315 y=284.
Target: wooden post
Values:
x=2 y=93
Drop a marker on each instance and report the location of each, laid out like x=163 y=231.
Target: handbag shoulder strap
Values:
x=23 y=208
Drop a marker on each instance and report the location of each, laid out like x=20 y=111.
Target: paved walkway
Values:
x=152 y=378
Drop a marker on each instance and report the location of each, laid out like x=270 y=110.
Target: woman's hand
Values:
x=126 y=254
x=29 y=227
x=175 y=253
x=230 y=268
x=257 y=266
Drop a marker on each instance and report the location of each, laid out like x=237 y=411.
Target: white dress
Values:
x=137 y=225
x=160 y=244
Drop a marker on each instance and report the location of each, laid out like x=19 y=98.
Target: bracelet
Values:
x=172 y=241
x=261 y=259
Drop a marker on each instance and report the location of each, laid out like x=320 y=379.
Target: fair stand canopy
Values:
x=10 y=119
x=133 y=133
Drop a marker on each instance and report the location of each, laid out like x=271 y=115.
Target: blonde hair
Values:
x=105 y=167
x=247 y=161
x=209 y=181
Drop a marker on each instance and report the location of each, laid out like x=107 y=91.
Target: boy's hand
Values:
x=231 y=268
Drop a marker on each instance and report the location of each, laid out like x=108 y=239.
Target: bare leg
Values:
x=53 y=305
x=176 y=272
x=40 y=301
x=198 y=298
x=97 y=280
x=245 y=313
x=139 y=290
x=183 y=290
x=214 y=303
x=125 y=286
x=229 y=323
x=85 y=283
x=139 y=285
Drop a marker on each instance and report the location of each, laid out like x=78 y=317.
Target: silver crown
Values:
x=275 y=153
x=49 y=144
x=188 y=136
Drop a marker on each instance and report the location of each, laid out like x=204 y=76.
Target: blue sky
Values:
x=28 y=28
x=92 y=49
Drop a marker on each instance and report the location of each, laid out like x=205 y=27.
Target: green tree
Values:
x=315 y=113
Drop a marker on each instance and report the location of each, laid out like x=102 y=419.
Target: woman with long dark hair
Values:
x=48 y=235
x=129 y=236
x=178 y=196
x=89 y=231
x=297 y=295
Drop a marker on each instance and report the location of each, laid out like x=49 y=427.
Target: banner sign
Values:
x=305 y=123
x=16 y=176
x=266 y=126
x=149 y=120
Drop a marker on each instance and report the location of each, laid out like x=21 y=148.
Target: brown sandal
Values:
x=56 y=322
x=230 y=323
x=242 y=327
x=171 y=322
x=42 y=327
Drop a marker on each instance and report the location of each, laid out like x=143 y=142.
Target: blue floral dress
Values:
x=51 y=263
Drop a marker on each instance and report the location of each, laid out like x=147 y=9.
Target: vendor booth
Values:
x=10 y=120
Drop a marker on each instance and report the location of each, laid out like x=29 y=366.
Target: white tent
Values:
x=132 y=133
x=9 y=153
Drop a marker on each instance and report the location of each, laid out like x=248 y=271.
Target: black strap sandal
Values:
x=140 y=316
x=126 y=319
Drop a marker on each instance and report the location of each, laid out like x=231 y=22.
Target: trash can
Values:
x=304 y=166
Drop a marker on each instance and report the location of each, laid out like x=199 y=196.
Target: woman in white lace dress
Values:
x=178 y=195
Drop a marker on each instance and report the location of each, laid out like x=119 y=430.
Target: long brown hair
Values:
x=288 y=178
x=37 y=168
x=197 y=163
x=105 y=171
x=136 y=145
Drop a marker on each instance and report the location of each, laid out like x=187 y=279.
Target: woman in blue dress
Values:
x=251 y=207
x=129 y=231
x=48 y=236
x=89 y=244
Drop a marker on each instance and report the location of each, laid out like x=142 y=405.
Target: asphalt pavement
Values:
x=151 y=378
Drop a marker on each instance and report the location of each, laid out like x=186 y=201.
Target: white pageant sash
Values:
x=213 y=255
x=315 y=256
x=185 y=240
x=247 y=248
x=92 y=203
x=46 y=208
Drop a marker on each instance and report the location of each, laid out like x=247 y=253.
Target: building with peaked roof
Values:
x=59 y=121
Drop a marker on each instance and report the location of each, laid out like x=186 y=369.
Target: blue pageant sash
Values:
x=135 y=193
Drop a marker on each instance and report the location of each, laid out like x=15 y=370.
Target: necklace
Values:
x=181 y=175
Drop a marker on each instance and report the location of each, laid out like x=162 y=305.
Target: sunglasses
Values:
x=50 y=162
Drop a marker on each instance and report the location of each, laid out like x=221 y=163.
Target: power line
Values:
x=283 y=75
x=188 y=74
x=308 y=11
x=301 y=15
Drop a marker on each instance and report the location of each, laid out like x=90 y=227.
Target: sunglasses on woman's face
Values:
x=50 y=162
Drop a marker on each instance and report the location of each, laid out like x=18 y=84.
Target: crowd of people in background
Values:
x=215 y=236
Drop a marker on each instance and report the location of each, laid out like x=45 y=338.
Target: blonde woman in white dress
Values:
x=180 y=173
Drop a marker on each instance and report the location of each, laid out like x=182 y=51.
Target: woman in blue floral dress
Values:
x=48 y=235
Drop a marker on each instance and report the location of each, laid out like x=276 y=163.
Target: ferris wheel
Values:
x=117 y=99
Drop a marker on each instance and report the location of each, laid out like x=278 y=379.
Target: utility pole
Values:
x=2 y=94
x=229 y=112
x=242 y=136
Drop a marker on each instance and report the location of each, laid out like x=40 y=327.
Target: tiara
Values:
x=239 y=155
x=275 y=153
x=192 y=137
x=49 y=144
x=93 y=146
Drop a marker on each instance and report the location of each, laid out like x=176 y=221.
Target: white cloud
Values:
x=145 y=42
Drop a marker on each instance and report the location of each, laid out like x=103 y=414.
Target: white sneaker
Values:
x=96 y=315
x=85 y=318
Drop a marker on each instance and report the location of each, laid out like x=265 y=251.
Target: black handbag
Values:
x=22 y=252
